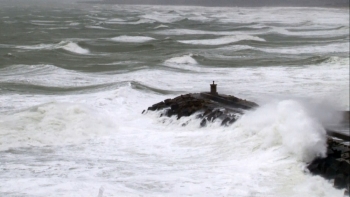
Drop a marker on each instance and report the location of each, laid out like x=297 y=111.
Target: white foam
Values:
x=52 y=124
x=161 y=26
x=74 y=24
x=286 y=123
x=201 y=18
x=194 y=32
x=66 y=45
x=27 y=70
x=330 y=48
x=337 y=61
x=43 y=21
x=152 y=158
x=46 y=76
x=222 y=40
x=236 y=47
x=98 y=18
x=97 y=27
x=141 y=21
x=37 y=47
x=72 y=149
x=186 y=59
x=132 y=39
x=114 y=20
x=287 y=16
x=310 y=33
x=55 y=28
x=73 y=47
x=163 y=17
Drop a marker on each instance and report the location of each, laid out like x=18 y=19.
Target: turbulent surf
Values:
x=74 y=79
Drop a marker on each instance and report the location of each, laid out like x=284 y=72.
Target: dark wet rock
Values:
x=340 y=181
x=336 y=165
x=204 y=122
x=226 y=121
x=209 y=107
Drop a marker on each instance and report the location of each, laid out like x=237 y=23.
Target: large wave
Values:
x=287 y=124
x=52 y=124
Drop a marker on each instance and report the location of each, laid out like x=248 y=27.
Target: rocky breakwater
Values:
x=208 y=106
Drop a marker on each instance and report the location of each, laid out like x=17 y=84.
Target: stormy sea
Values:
x=74 y=79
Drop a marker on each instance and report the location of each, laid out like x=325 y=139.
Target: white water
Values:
x=343 y=47
x=222 y=40
x=111 y=145
x=74 y=48
x=99 y=144
x=66 y=45
x=186 y=59
x=52 y=124
x=135 y=39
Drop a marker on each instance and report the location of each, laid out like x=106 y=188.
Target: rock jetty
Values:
x=209 y=106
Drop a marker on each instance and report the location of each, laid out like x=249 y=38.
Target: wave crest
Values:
x=223 y=40
x=73 y=47
x=68 y=46
x=133 y=39
x=186 y=59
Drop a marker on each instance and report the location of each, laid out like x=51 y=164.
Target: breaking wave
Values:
x=74 y=48
x=133 y=39
x=288 y=124
x=222 y=40
x=66 y=45
x=186 y=59
x=52 y=124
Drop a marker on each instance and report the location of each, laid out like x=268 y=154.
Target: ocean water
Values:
x=74 y=79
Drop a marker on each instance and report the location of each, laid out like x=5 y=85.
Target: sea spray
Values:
x=288 y=124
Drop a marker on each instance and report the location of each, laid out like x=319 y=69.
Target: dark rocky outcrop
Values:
x=336 y=166
x=208 y=106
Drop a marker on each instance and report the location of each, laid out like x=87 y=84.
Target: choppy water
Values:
x=74 y=79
